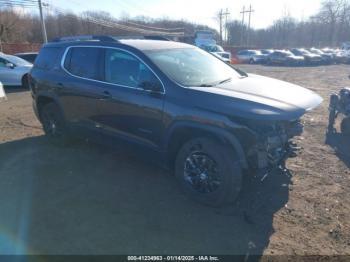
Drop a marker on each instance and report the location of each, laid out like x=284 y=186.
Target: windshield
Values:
x=192 y=66
x=17 y=60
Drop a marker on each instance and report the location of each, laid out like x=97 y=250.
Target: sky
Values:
x=198 y=11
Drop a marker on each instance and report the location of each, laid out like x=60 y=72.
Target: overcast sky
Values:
x=199 y=11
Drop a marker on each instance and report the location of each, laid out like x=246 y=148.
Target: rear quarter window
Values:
x=48 y=58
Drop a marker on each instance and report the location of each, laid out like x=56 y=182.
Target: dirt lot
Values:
x=88 y=199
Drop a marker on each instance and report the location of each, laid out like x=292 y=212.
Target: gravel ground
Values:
x=88 y=199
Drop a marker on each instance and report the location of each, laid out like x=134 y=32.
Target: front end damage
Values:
x=274 y=144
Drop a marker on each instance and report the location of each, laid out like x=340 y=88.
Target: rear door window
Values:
x=84 y=62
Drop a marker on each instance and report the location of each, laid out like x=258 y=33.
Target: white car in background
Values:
x=14 y=71
x=218 y=51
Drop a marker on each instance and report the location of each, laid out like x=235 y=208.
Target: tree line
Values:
x=330 y=26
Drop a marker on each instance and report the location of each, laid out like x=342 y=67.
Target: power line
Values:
x=113 y=24
x=18 y=3
x=126 y=5
x=152 y=27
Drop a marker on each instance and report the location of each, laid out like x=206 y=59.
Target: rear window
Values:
x=30 y=57
x=84 y=62
x=48 y=58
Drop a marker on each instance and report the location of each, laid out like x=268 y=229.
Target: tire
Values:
x=25 y=82
x=345 y=126
x=221 y=185
x=54 y=125
x=251 y=61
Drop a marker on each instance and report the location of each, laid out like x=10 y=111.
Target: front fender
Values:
x=218 y=132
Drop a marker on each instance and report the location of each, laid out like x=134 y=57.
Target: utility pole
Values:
x=226 y=14
x=223 y=14
x=43 y=28
x=243 y=12
x=2 y=29
x=220 y=21
x=250 y=11
x=242 y=29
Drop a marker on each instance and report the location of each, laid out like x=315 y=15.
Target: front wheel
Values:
x=54 y=125
x=208 y=172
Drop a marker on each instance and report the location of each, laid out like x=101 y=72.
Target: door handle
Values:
x=106 y=95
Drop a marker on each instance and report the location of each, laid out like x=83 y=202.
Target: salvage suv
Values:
x=208 y=121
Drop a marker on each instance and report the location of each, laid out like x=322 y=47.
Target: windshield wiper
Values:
x=225 y=81
x=216 y=83
x=206 y=85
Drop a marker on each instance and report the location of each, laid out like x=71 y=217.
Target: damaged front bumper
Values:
x=274 y=145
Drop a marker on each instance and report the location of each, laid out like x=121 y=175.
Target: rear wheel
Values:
x=345 y=126
x=208 y=172
x=251 y=61
x=54 y=125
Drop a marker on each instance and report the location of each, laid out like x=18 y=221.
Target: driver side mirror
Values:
x=153 y=87
x=10 y=65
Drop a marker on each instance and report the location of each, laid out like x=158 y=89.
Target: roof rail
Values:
x=105 y=38
x=102 y=38
x=138 y=37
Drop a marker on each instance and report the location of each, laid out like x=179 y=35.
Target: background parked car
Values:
x=310 y=58
x=30 y=56
x=343 y=57
x=14 y=70
x=251 y=56
x=326 y=58
x=283 y=57
x=218 y=51
x=267 y=51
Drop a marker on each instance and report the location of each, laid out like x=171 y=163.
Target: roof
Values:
x=154 y=44
x=27 y=53
x=140 y=44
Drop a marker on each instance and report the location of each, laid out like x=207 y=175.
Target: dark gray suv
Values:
x=203 y=118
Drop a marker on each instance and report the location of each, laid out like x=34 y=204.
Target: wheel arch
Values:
x=181 y=133
x=43 y=100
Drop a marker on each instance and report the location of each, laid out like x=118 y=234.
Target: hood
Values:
x=261 y=98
